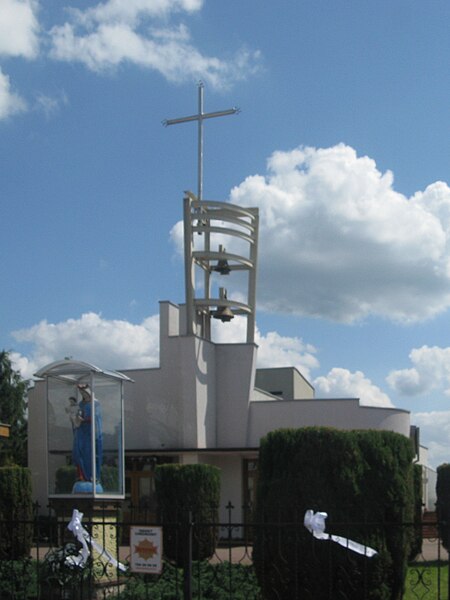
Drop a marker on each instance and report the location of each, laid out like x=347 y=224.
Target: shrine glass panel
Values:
x=85 y=436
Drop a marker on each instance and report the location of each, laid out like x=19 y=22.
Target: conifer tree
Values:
x=13 y=405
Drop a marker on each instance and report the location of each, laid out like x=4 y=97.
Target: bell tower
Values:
x=219 y=238
x=236 y=227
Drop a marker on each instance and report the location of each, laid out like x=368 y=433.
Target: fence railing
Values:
x=42 y=559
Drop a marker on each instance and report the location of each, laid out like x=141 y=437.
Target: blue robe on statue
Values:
x=82 y=444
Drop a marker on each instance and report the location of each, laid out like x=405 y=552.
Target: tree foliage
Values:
x=13 y=390
x=181 y=489
x=16 y=512
x=443 y=503
x=364 y=481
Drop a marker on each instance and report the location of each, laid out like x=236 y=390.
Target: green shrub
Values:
x=362 y=479
x=110 y=478
x=66 y=476
x=60 y=578
x=16 y=513
x=443 y=503
x=209 y=582
x=181 y=489
x=18 y=579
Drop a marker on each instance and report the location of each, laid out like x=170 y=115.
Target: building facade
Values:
x=207 y=403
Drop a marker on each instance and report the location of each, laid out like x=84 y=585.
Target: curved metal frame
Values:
x=206 y=217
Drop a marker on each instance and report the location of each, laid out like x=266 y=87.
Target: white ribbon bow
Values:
x=83 y=537
x=315 y=523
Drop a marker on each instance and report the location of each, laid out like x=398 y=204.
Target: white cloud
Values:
x=26 y=366
x=19 y=28
x=111 y=344
x=341 y=243
x=49 y=105
x=118 y=31
x=430 y=371
x=10 y=102
x=341 y=383
x=119 y=344
x=19 y=37
x=274 y=350
x=132 y=11
x=435 y=435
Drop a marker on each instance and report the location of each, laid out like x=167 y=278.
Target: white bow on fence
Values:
x=315 y=523
x=83 y=537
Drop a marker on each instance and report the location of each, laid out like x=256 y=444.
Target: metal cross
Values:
x=200 y=117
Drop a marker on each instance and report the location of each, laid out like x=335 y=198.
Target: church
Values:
x=207 y=402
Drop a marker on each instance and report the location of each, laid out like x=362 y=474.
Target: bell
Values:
x=224 y=313
x=222 y=266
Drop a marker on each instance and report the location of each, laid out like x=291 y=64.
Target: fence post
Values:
x=187 y=550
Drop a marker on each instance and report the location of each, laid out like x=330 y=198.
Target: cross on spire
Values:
x=200 y=117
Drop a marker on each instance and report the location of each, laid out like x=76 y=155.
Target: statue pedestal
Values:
x=101 y=523
x=86 y=487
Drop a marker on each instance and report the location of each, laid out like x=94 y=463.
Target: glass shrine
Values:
x=85 y=430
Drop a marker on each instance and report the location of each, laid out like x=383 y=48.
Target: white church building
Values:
x=207 y=402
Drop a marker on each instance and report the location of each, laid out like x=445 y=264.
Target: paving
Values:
x=432 y=549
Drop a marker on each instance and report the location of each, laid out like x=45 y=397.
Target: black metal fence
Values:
x=38 y=560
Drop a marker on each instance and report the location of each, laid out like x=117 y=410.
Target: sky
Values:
x=342 y=142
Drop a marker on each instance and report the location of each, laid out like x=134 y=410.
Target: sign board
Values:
x=146 y=550
x=4 y=430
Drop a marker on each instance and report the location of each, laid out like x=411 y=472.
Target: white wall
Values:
x=230 y=466
x=429 y=488
x=342 y=414
x=37 y=442
x=200 y=398
x=235 y=380
x=286 y=380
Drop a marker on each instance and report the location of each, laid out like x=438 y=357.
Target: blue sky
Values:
x=342 y=142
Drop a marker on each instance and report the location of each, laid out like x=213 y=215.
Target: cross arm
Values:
x=201 y=117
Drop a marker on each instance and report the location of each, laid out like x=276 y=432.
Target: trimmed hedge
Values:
x=443 y=503
x=181 y=489
x=16 y=513
x=66 y=476
x=363 y=480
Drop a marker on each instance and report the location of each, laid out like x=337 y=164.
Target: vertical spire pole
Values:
x=207 y=242
x=200 y=117
x=200 y=142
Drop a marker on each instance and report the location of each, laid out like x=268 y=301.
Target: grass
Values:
x=427 y=581
x=424 y=581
